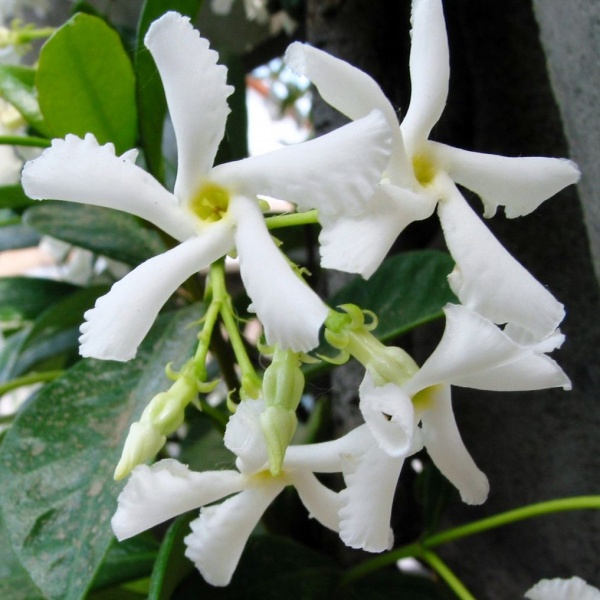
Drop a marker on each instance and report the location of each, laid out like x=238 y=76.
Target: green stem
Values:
x=20 y=140
x=525 y=512
x=204 y=337
x=304 y=218
x=442 y=569
x=251 y=382
x=30 y=379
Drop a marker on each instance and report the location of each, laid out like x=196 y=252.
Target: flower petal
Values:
x=359 y=243
x=166 y=489
x=83 y=171
x=335 y=173
x=289 y=310
x=429 y=72
x=563 y=589
x=445 y=446
x=220 y=533
x=371 y=478
x=389 y=414
x=474 y=353
x=352 y=92
x=196 y=90
x=520 y=184
x=322 y=503
x=488 y=280
x=245 y=438
x=121 y=319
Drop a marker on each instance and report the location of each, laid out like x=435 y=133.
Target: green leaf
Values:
x=15 y=583
x=28 y=296
x=57 y=494
x=407 y=290
x=151 y=101
x=104 y=231
x=171 y=567
x=127 y=560
x=86 y=84
x=13 y=196
x=14 y=237
x=17 y=86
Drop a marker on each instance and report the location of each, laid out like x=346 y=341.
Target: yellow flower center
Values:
x=423 y=400
x=210 y=203
x=424 y=169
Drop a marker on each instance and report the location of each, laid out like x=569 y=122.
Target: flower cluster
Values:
x=367 y=181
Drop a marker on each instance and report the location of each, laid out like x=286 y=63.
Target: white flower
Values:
x=422 y=173
x=168 y=488
x=563 y=589
x=472 y=353
x=212 y=210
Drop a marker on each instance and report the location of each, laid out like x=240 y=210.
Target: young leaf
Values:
x=17 y=86
x=57 y=493
x=108 y=232
x=151 y=101
x=86 y=84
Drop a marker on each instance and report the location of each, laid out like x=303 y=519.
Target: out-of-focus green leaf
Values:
x=171 y=566
x=86 y=84
x=13 y=196
x=57 y=493
x=433 y=492
x=407 y=290
x=14 y=237
x=127 y=560
x=108 y=232
x=29 y=296
x=151 y=101
x=17 y=86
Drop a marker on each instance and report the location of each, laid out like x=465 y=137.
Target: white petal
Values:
x=322 y=503
x=326 y=457
x=520 y=184
x=371 y=478
x=359 y=243
x=289 y=310
x=563 y=589
x=429 y=72
x=351 y=91
x=196 y=90
x=335 y=173
x=488 y=280
x=245 y=438
x=445 y=446
x=167 y=489
x=121 y=319
x=474 y=353
x=82 y=171
x=389 y=414
x=220 y=533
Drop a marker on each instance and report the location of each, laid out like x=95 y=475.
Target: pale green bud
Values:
x=142 y=443
x=278 y=425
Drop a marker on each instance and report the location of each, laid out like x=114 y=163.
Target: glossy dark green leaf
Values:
x=104 y=231
x=151 y=102
x=408 y=290
x=127 y=560
x=29 y=296
x=14 y=237
x=13 y=196
x=17 y=86
x=86 y=84
x=57 y=494
x=171 y=566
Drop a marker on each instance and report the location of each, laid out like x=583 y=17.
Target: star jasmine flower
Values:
x=168 y=488
x=473 y=353
x=563 y=589
x=422 y=174
x=211 y=211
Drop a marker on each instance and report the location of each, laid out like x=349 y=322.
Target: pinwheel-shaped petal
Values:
x=563 y=589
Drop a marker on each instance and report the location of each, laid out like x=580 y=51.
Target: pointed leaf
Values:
x=57 y=493
x=86 y=84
